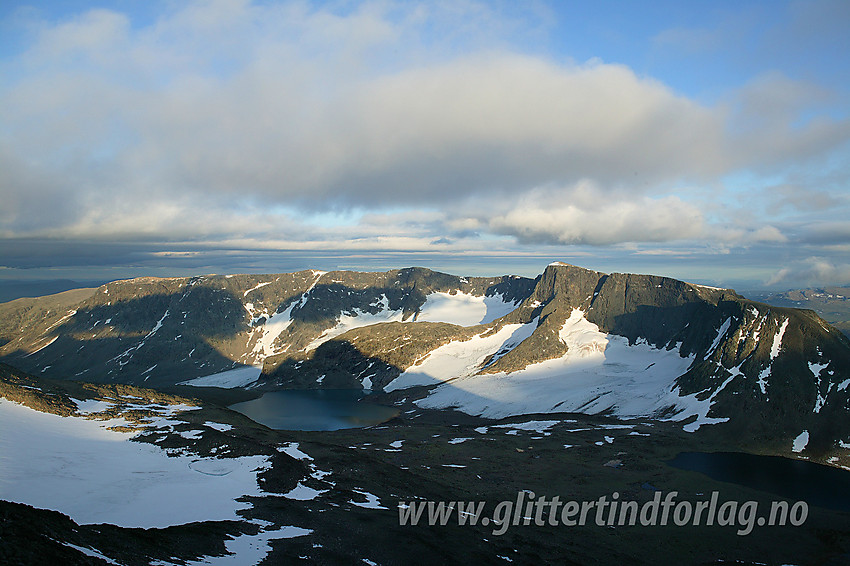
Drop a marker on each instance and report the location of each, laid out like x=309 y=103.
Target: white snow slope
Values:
x=358 y=319
x=463 y=309
x=599 y=372
x=457 y=358
x=239 y=377
x=76 y=466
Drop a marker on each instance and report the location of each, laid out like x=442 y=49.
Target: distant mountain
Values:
x=832 y=303
x=570 y=340
x=10 y=290
x=161 y=331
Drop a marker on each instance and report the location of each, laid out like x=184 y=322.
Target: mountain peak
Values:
x=692 y=353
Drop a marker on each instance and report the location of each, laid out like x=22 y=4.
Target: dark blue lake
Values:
x=315 y=409
x=799 y=480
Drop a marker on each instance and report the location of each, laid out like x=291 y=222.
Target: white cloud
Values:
x=91 y=37
x=584 y=214
x=813 y=271
x=768 y=234
x=769 y=123
x=778 y=277
x=243 y=123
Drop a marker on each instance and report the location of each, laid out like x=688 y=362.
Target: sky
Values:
x=703 y=140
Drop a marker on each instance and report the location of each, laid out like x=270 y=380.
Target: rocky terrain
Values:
x=831 y=303
x=118 y=447
x=183 y=481
x=570 y=340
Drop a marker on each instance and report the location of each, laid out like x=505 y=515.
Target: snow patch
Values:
x=190 y=434
x=598 y=373
x=777 y=340
x=464 y=309
x=583 y=339
x=128 y=353
x=817 y=368
x=291 y=449
x=720 y=334
x=358 y=319
x=78 y=467
x=801 y=441
x=302 y=492
x=372 y=501
x=539 y=427
x=90 y=406
x=221 y=427
x=157 y=326
x=247 y=549
x=239 y=377
x=461 y=358
x=60 y=321
x=821 y=400
x=269 y=330
x=52 y=340
x=245 y=294
x=762 y=380
x=706 y=287
x=90 y=552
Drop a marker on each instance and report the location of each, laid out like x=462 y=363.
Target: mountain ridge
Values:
x=831 y=303
x=773 y=372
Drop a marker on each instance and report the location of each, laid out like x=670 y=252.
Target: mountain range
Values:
x=569 y=340
x=831 y=303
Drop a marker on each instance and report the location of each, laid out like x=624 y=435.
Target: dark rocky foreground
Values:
x=428 y=455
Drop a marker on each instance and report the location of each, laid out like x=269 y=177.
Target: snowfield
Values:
x=358 y=319
x=457 y=359
x=599 y=372
x=800 y=442
x=77 y=467
x=540 y=427
x=463 y=309
x=239 y=377
x=269 y=331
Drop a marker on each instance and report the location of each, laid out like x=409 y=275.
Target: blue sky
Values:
x=707 y=141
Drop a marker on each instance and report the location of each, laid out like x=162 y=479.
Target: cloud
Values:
x=828 y=233
x=91 y=34
x=477 y=125
x=768 y=234
x=769 y=122
x=778 y=277
x=797 y=198
x=217 y=98
x=813 y=271
x=389 y=126
x=584 y=215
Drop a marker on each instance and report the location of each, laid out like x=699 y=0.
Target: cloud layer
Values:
x=419 y=124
